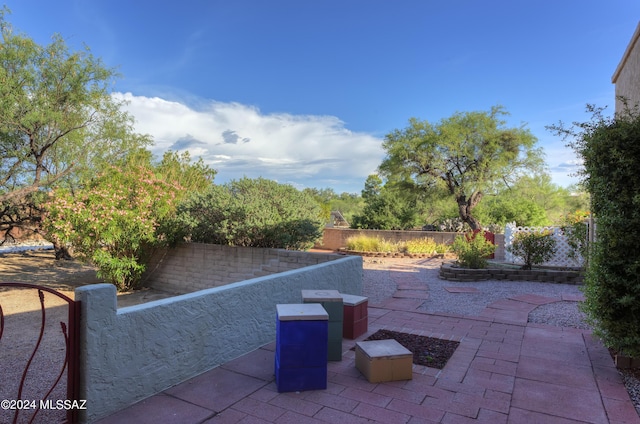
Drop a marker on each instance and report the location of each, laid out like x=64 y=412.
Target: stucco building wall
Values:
x=627 y=75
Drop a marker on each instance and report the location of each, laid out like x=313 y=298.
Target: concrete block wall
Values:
x=336 y=238
x=197 y=266
x=129 y=354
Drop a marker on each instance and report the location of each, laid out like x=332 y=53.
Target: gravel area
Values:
x=379 y=284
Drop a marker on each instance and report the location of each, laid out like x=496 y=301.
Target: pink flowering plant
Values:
x=114 y=221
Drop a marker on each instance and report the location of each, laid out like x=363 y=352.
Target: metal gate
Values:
x=27 y=410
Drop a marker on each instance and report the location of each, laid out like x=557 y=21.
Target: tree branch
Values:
x=21 y=193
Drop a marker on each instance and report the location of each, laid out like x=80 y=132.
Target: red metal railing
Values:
x=70 y=333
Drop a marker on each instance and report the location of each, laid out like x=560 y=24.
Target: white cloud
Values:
x=238 y=140
x=563 y=164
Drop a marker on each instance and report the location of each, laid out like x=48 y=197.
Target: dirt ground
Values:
x=20 y=310
x=41 y=267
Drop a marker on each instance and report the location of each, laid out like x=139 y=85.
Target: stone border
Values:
x=452 y=273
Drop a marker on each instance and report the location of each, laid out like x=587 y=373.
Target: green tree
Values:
x=252 y=212
x=556 y=201
x=57 y=121
x=179 y=168
x=610 y=150
x=386 y=207
x=511 y=207
x=349 y=205
x=467 y=154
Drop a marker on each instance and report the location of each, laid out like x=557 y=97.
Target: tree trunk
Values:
x=62 y=252
x=466 y=205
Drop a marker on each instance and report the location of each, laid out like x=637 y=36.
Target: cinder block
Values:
x=384 y=360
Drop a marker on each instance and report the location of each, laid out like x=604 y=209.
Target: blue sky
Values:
x=303 y=91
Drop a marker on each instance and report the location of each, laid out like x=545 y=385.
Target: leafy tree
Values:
x=610 y=150
x=252 y=212
x=323 y=197
x=386 y=207
x=348 y=204
x=510 y=206
x=178 y=168
x=57 y=121
x=556 y=201
x=467 y=154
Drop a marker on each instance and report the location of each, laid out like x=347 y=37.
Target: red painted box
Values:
x=356 y=316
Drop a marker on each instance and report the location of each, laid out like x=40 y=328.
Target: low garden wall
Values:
x=336 y=238
x=197 y=266
x=452 y=273
x=131 y=353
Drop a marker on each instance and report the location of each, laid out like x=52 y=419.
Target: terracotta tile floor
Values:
x=504 y=371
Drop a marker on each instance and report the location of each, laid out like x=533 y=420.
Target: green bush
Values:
x=442 y=248
x=112 y=221
x=610 y=149
x=251 y=212
x=533 y=247
x=472 y=250
x=576 y=231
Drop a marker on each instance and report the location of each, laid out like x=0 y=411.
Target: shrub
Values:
x=362 y=243
x=576 y=232
x=423 y=245
x=251 y=212
x=112 y=221
x=610 y=150
x=472 y=250
x=533 y=247
x=442 y=248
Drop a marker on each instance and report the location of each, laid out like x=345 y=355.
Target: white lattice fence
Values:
x=563 y=251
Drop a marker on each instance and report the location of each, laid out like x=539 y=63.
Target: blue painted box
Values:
x=300 y=379
x=301 y=347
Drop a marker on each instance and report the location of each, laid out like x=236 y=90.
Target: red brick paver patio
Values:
x=504 y=371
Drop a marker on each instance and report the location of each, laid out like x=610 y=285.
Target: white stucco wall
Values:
x=132 y=353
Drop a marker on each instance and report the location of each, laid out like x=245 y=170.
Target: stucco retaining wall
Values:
x=132 y=353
